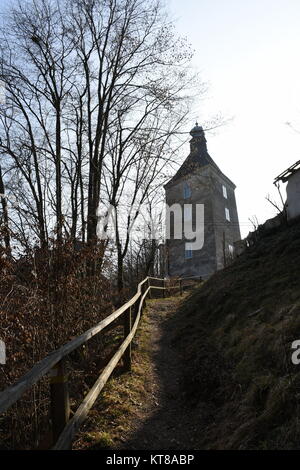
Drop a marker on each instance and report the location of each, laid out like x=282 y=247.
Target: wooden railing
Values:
x=63 y=428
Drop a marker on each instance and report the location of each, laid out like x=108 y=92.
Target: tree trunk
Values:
x=58 y=176
x=5 y=216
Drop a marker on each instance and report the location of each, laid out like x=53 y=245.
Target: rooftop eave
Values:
x=228 y=180
x=171 y=183
x=285 y=175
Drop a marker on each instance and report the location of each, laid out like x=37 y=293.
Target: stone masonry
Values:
x=200 y=181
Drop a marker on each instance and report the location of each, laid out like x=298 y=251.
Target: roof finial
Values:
x=197 y=130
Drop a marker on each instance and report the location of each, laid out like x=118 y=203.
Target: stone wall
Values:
x=206 y=188
x=293 y=195
x=226 y=232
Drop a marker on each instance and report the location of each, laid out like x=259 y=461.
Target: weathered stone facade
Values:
x=292 y=177
x=200 y=181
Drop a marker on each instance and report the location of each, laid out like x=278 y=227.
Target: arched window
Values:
x=188 y=252
x=186 y=191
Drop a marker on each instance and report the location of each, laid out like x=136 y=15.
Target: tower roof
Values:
x=198 y=157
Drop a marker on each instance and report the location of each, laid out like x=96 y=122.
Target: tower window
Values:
x=224 y=191
x=186 y=191
x=188 y=254
x=231 y=249
x=227 y=214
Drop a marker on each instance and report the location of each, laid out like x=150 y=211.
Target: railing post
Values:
x=149 y=285
x=136 y=308
x=138 y=302
x=164 y=289
x=180 y=286
x=127 y=330
x=59 y=394
x=144 y=304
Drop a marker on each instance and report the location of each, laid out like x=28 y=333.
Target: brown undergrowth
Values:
x=48 y=297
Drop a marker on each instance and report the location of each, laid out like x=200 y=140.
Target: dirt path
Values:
x=162 y=422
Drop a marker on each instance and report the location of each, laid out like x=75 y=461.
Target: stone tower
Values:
x=200 y=181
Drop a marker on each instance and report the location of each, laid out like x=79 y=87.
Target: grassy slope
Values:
x=235 y=338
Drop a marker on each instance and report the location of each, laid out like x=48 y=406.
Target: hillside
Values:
x=234 y=335
x=212 y=369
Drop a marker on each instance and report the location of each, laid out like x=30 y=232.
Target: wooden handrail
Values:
x=11 y=394
x=80 y=415
x=65 y=432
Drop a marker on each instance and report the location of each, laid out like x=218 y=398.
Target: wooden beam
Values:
x=11 y=394
x=59 y=394
x=80 y=415
x=127 y=330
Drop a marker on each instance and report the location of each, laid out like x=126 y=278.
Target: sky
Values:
x=248 y=52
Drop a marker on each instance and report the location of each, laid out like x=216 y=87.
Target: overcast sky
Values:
x=248 y=51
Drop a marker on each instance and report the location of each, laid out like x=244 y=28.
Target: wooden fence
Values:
x=63 y=428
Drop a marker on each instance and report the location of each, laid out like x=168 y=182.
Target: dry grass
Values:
x=236 y=334
x=123 y=398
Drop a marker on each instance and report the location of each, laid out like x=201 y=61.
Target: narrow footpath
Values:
x=146 y=408
x=164 y=421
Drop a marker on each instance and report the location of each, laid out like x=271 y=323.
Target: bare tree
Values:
x=280 y=206
x=133 y=65
x=96 y=92
x=134 y=171
x=4 y=221
x=36 y=69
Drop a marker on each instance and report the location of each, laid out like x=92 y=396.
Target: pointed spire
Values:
x=198 y=157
